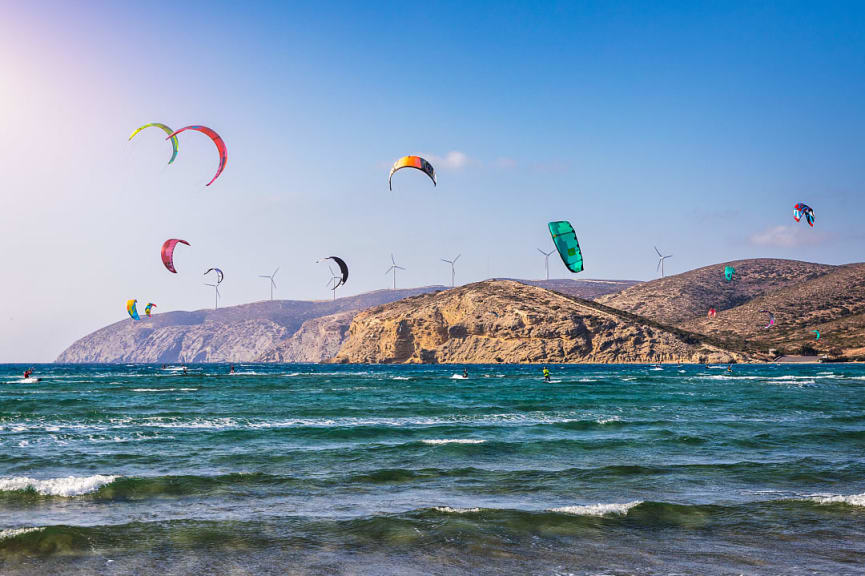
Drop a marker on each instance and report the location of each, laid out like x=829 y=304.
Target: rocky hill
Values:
x=506 y=321
x=588 y=289
x=833 y=303
x=279 y=330
x=689 y=295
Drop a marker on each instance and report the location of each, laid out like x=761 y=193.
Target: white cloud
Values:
x=453 y=160
x=780 y=236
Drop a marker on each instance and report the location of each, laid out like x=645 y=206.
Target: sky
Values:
x=691 y=126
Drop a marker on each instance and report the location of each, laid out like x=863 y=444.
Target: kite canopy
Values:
x=343 y=269
x=130 y=309
x=800 y=210
x=168 y=253
x=412 y=162
x=174 y=145
x=728 y=273
x=147 y=308
x=817 y=332
x=566 y=243
x=771 y=319
x=219 y=274
x=712 y=313
x=217 y=140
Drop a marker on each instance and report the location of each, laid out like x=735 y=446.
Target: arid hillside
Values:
x=506 y=321
x=688 y=296
x=833 y=303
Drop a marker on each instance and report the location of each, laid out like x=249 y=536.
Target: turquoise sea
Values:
x=309 y=469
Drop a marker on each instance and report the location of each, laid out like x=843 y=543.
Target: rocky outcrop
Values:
x=317 y=340
x=510 y=322
x=278 y=331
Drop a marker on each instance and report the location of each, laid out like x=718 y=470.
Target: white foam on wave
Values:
x=458 y=377
x=13 y=532
x=164 y=389
x=449 y=510
x=598 y=509
x=68 y=486
x=437 y=441
x=400 y=378
x=607 y=420
x=850 y=500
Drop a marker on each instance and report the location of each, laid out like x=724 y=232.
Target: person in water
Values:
x=465 y=372
x=231 y=369
x=546 y=374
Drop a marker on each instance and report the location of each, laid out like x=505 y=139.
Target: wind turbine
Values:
x=393 y=269
x=334 y=281
x=661 y=259
x=546 y=261
x=216 y=297
x=272 y=283
x=452 y=262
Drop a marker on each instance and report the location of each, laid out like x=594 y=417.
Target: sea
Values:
x=410 y=470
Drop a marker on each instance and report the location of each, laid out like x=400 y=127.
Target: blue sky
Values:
x=693 y=126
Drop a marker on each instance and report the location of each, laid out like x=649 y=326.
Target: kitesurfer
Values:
x=465 y=372
x=546 y=374
x=231 y=369
x=27 y=373
x=730 y=368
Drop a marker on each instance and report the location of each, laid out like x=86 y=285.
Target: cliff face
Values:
x=280 y=330
x=505 y=321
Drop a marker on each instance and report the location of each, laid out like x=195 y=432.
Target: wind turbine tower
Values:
x=393 y=269
x=661 y=259
x=216 y=296
x=452 y=262
x=546 y=261
x=272 y=283
x=334 y=281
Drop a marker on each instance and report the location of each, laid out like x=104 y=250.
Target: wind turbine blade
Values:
x=388 y=271
x=275 y=271
x=400 y=268
x=393 y=261
x=263 y=276
x=657 y=251
x=457 y=258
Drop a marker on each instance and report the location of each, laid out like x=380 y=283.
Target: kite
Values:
x=711 y=313
x=219 y=275
x=817 y=332
x=800 y=210
x=728 y=273
x=217 y=139
x=168 y=253
x=343 y=269
x=167 y=130
x=412 y=162
x=771 y=319
x=147 y=308
x=130 y=308
x=565 y=240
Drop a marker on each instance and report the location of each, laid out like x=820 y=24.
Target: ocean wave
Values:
x=598 y=509
x=437 y=441
x=15 y=532
x=450 y=510
x=164 y=389
x=850 y=500
x=66 y=486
